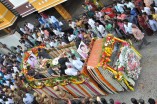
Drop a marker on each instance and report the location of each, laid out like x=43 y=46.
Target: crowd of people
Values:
x=99 y=100
x=124 y=19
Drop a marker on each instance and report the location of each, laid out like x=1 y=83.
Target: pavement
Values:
x=146 y=85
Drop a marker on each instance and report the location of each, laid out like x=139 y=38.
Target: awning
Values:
x=7 y=18
x=42 y=5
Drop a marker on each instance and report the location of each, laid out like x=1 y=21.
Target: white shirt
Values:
x=99 y=14
x=8 y=76
x=77 y=64
x=71 y=71
x=153 y=25
x=120 y=7
x=53 y=19
x=155 y=9
x=71 y=37
x=28 y=99
x=147 y=10
x=15 y=69
x=130 y=5
x=10 y=101
x=91 y=22
x=30 y=26
x=128 y=28
x=1 y=100
x=58 y=33
x=101 y=29
x=72 y=24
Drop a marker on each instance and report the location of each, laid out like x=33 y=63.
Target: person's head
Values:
x=111 y=101
x=125 y=21
x=83 y=47
x=118 y=13
x=48 y=65
x=39 y=49
x=97 y=24
x=152 y=10
x=73 y=102
x=103 y=100
x=139 y=16
x=150 y=17
x=151 y=101
x=134 y=101
x=141 y=101
x=73 y=57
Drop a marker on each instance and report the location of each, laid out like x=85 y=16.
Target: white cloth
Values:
x=128 y=28
x=28 y=99
x=155 y=9
x=1 y=100
x=53 y=19
x=147 y=10
x=8 y=76
x=120 y=7
x=72 y=24
x=91 y=22
x=30 y=26
x=15 y=69
x=71 y=37
x=10 y=101
x=58 y=33
x=77 y=64
x=153 y=25
x=130 y=5
x=71 y=71
x=99 y=14
x=101 y=29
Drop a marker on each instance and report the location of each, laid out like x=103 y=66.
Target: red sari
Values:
x=109 y=12
x=144 y=25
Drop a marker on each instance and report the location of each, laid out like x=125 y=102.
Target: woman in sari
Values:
x=144 y=25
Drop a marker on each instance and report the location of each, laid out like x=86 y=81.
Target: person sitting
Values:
x=71 y=70
x=78 y=64
x=43 y=54
x=51 y=71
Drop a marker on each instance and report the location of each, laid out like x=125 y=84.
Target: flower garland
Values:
x=35 y=83
x=108 y=47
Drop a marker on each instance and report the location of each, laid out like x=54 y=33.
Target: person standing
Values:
x=101 y=29
x=143 y=24
x=55 y=22
x=152 y=23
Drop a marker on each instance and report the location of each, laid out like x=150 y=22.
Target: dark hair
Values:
x=150 y=17
x=95 y=101
x=39 y=49
x=134 y=101
x=48 y=65
x=81 y=46
x=111 y=101
x=125 y=20
x=72 y=56
x=151 y=101
x=141 y=101
x=103 y=100
x=73 y=102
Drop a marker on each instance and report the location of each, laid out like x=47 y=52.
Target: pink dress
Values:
x=137 y=33
x=121 y=26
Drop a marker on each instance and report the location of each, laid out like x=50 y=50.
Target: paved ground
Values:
x=146 y=86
